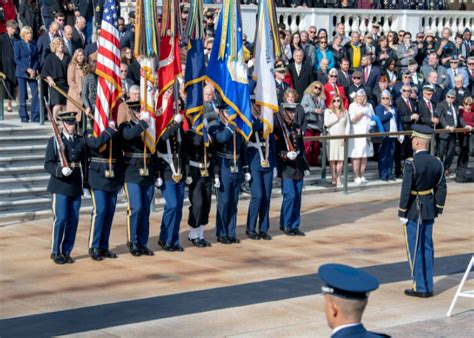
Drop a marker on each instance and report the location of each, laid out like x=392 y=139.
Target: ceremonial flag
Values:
x=267 y=46
x=109 y=87
x=195 y=68
x=227 y=69
x=169 y=66
x=146 y=48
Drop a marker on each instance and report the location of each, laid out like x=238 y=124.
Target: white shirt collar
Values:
x=339 y=328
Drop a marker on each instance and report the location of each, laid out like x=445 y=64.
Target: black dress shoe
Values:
x=282 y=228
x=265 y=236
x=223 y=240
x=145 y=251
x=58 y=259
x=108 y=254
x=289 y=232
x=168 y=247
x=178 y=248
x=197 y=242
x=413 y=293
x=161 y=243
x=205 y=243
x=135 y=250
x=298 y=232
x=252 y=235
x=234 y=240
x=96 y=254
x=68 y=259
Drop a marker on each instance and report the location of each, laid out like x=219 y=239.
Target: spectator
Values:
x=466 y=144
x=468 y=42
x=392 y=39
x=345 y=4
x=293 y=46
x=341 y=32
x=429 y=43
x=365 y=4
x=291 y=96
x=89 y=88
x=384 y=52
x=45 y=40
x=459 y=49
x=337 y=50
x=370 y=48
x=27 y=64
x=55 y=71
x=382 y=86
x=128 y=40
x=354 y=51
x=208 y=49
x=444 y=47
x=406 y=80
x=336 y=120
x=375 y=33
x=426 y=108
x=126 y=82
x=322 y=35
x=344 y=77
x=133 y=73
x=470 y=72
x=388 y=116
x=30 y=16
x=9 y=13
x=408 y=115
x=323 y=52
x=301 y=73
x=416 y=78
x=433 y=65
x=356 y=85
x=454 y=71
x=209 y=98
x=121 y=27
x=281 y=85
x=85 y=9
x=461 y=91
x=78 y=37
x=308 y=48
x=7 y=64
x=360 y=113
x=420 y=45
x=312 y=35
x=322 y=73
x=332 y=89
x=371 y=73
x=133 y=102
x=438 y=94
x=391 y=72
x=406 y=51
x=314 y=106
x=69 y=45
x=60 y=18
x=76 y=71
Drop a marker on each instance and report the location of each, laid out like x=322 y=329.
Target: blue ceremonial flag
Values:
x=227 y=69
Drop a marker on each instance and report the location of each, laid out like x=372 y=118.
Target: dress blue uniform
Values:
x=139 y=185
x=347 y=282
x=105 y=179
x=172 y=169
x=262 y=161
x=421 y=200
x=290 y=171
x=66 y=190
x=230 y=146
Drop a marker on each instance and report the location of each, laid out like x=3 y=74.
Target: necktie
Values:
x=408 y=105
x=68 y=45
x=335 y=88
x=366 y=76
x=455 y=72
x=429 y=106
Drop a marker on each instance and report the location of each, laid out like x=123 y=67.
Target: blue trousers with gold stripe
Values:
x=103 y=203
x=291 y=206
x=173 y=193
x=139 y=199
x=259 y=205
x=66 y=217
x=421 y=261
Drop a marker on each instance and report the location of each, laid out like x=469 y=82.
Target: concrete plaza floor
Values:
x=256 y=288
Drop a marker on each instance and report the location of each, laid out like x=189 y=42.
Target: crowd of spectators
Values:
x=343 y=83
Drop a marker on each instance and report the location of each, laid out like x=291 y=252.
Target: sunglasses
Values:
x=332 y=75
x=312 y=32
x=356 y=77
x=385 y=98
x=470 y=63
x=317 y=88
x=406 y=90
x=323 y=43
x=449 y=97
x=336 y=100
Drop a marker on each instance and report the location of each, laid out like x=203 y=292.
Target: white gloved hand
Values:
x=158 y=182
x=86 y=193
x=247 y=177
x=217 y=183
x=178 y=118
x=307 y=173
x=275 y=172
x=291 y=155
x=205 y=122
x=188 y=180
x=404 y=220
x=373 y=123
x=66 y=171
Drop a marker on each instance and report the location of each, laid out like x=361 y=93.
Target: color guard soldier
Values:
x=231 y=160
x=292 y=167
x=172 y=169
x=140 y=172
x=64 y=159
x=422 y=199
x=105 y=180
x=199 y=171
x=262 y=161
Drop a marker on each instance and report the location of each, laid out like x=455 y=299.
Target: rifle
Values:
x=57 y=137
x=285 y=132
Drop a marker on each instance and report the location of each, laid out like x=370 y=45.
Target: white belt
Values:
x=198 y=164
x=255 y=145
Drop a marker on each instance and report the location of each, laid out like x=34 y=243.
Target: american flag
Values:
x=109 y=88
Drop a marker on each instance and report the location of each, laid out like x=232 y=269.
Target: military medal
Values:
x=177 y=177
x=234 y=169
x=265 y=163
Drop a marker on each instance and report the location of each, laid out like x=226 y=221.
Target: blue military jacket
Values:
x=423 y=180
x=194 y=145
x=132 y=145
x=357 y=331
x=252 y=150
x=75 y=155
x=174 y=135
x=99 y=160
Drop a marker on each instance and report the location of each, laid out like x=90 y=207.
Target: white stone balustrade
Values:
x=297 y=19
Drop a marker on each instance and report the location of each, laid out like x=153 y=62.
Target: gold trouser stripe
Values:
x=408 y=248
x=128 y=211
x=94 y=215
x=53 y=204
x=422 y=193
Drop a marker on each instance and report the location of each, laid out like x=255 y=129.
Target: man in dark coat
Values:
x=301 y=73
x=7 y=65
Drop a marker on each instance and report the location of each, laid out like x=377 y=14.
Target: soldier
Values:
x=172 y=169
x=141 y=172
x=231 y=160
x=292 y=167
x=421 y=200
x=105 y=179
x=199 y=170
x=262 y=161
x=65 y=184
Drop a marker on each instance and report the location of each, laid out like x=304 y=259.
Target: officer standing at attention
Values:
x=421 y=200
x=199 y=170
x=65 y=184
x=292 y=167
x=262 y=161
x=231 y=160
x=105 y=180
x=346 y=293
x=171 y=155
x=141 y=171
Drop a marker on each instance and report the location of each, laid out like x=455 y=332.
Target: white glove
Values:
x=307 y=173
x=404 y=220
x=205 y=122
x=159 y=182
x=217 y=183
x=291 y=155
x=188 y=180
x=275 y=172
x=247 y=177
x=112 y=124
x=66 y=171
x=373 y=124
x=86 y=193
x=178 y=118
